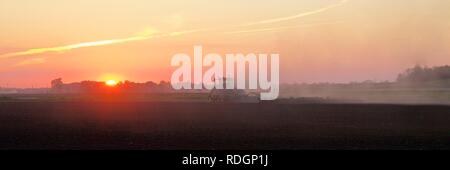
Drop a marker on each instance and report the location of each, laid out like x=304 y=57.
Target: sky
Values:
x=318 y=40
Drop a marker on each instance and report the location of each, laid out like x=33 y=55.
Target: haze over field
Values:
x=344 y=74
x=318 y=41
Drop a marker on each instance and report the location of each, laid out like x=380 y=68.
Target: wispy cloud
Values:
x=73 y=46
x=269 y=29
x=31 y=61
x=300 y=15
x=93 y=44
x=151 y=36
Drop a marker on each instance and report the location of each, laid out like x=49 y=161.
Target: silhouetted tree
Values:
x=425 y=74
x=57 y=83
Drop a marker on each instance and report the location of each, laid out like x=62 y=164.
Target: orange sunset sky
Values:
x=318 y=40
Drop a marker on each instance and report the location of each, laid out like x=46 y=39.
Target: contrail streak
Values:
x=93 y=44
x=74 y=46
x=140 y=38
x=274 y=20
x=281 y=28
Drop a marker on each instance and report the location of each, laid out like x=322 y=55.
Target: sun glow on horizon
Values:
x=111 y=83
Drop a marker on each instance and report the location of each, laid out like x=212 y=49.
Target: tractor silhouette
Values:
x=231 y=95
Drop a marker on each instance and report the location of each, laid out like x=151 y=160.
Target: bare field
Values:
x=183 y=125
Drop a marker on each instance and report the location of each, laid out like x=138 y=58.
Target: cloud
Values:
x=150 y=34
x=147 y=32
x=282 y=28
x=73 y=46
x=300 y=15
x=93 y=44
x=31 y=62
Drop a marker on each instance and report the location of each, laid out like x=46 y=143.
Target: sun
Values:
x=111 y=83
